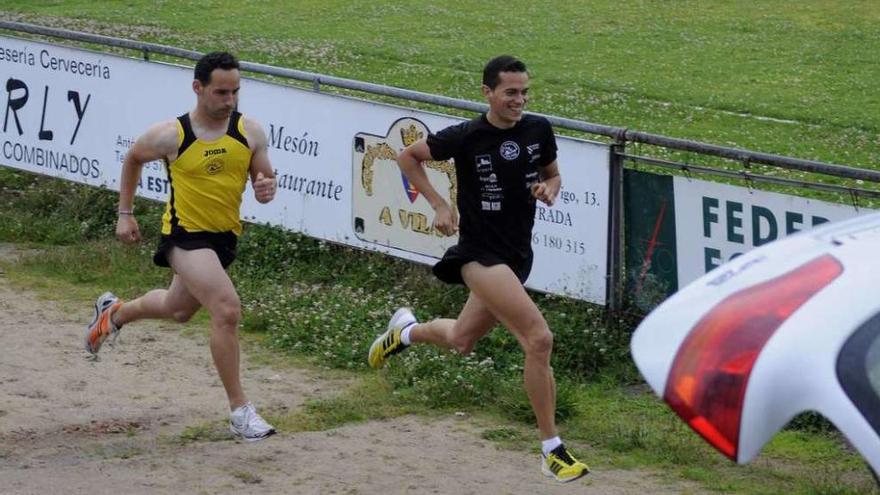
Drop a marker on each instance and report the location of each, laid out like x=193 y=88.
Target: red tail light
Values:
x=707 y=382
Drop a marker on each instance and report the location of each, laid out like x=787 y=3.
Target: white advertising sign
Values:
x=73 y=114
x=717 y=222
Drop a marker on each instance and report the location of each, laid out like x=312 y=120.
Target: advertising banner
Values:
x=678 y=228
x=73 y=114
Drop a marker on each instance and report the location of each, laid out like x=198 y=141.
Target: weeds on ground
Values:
x=325 y=303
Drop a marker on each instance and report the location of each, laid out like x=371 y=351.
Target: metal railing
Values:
x=619 y=135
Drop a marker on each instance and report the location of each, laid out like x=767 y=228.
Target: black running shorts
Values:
x=223 y=243
x=448 y=269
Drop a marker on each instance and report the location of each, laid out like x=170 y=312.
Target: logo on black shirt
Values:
x=509 y=150
x=484 y=163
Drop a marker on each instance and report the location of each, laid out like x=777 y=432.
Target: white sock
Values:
x=115 y=326
x=550 y=444
x=404 y=334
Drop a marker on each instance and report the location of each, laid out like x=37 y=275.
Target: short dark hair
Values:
x=501 y=63
x=211 y=61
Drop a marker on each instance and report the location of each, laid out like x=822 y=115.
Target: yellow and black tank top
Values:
x=207 y=179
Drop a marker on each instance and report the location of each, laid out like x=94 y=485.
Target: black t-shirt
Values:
x=495 y=169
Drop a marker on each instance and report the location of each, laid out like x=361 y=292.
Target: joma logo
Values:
x=217 y=151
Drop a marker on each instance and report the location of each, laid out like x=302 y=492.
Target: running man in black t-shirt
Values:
x=504 y=161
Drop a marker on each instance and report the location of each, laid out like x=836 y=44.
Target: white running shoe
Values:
x=102 y=325
x=244 y=422
x=401 y=319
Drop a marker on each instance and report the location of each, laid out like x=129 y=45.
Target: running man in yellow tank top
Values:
x=209 y=153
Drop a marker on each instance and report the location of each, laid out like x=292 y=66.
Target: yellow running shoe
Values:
x=560 y=464
x=102 y=326
x=389 y=342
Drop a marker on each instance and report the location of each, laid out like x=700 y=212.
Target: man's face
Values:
x=220 y=96
x=508 y=100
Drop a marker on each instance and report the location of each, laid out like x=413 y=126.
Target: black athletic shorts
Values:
x=223 y=243
x=448 y=269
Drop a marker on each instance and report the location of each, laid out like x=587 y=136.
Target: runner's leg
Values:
x=462 y=333
x=504 y=296
x=201 y=273
x=174 y=303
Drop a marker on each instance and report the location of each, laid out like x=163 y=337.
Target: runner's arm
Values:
x=551 y=181
x=262 y=174
x=159 y=142
x=410 y=162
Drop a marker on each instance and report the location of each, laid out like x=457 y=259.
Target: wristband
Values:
x=125 y=212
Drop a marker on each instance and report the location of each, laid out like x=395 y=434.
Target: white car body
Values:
x=822 y=354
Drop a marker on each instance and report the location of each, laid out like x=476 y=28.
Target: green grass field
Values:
x=791 y=78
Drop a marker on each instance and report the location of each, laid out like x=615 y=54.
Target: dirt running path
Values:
x=69 y=425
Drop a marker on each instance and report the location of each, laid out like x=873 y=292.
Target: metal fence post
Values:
x=614 y=292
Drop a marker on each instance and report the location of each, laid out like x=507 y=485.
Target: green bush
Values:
x=329 y=302
x=811 y=421
x=320 y=300
x=44 y=210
